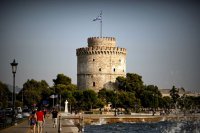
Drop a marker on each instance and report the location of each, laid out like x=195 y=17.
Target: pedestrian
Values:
x=34 y=111
x=54 y=117
x=32 y=120
x=45 y=112
x=40 y=120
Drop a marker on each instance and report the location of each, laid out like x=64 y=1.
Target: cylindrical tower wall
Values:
x=98 y=41
x=99 y=66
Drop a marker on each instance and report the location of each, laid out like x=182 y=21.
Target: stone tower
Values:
x=99 y=64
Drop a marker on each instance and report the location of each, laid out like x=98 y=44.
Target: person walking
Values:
x=40 y=120
x=45 y=112
x=54 y=117
x=32 y=120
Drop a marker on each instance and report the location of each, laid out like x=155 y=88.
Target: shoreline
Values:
x=95 y=119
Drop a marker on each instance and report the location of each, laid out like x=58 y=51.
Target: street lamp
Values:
x=154 y=104
x=115 y=103
x=14 y=69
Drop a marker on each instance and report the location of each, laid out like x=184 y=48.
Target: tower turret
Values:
x=101 y=41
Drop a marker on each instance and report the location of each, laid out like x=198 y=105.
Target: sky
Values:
x=162 y=38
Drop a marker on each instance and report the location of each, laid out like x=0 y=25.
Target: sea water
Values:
x=144 y=127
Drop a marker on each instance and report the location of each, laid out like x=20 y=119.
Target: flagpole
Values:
x=101 y=25
x=101 y=22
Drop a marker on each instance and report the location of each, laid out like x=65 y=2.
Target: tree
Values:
x=100 y=103
x=102 y=94
x=155 y=96
x=147 y=99
x=122 y=83
x=126 y=100
x=89 y=98
x=132 y=83
x=167 y=102
x=62 y=79
x=135 y=82
x=174 y=95
x=102 y=98
x=45 y=90
x=62 y=86
x=78 y=105
x=153 y=89
x=190 y=103
x=66 y=94
x=35 y=91
x=5 y=95
x=111 y=97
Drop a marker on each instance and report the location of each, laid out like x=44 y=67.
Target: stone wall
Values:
x=100 y=64
x=104 y=41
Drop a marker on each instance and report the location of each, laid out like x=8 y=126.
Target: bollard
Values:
x=81 y=125
x=59 y=125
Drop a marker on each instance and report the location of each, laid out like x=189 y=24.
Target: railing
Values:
x=78 y=122
x=6 y=121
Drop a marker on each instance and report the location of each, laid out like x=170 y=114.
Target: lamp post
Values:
x=22 y=98
x=154 y=104
x=53 y=97
x=14 y=69
x=115 y=103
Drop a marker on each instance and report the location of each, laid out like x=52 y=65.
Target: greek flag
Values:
x=98 y=18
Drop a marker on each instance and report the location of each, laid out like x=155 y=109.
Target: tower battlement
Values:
x=100 y=50
x=102 y=41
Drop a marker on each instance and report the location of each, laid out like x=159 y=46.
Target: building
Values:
x=99 y=64
x=181 y=92
x=166 y=92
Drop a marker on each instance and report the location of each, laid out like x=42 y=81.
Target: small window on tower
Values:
x=119 y=60
x=93 y=59
x=93 y=83
x=114 y=70
x=99 y=69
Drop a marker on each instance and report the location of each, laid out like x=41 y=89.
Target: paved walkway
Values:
x=19 y=128
x=48 y=128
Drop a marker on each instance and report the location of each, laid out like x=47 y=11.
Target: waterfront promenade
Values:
x=48 y=128
x=69 y=123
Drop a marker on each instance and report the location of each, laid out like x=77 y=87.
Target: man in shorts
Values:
x=54 y=117
x=40 y=120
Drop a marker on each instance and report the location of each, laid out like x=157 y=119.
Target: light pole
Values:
x=154 y=108
x=115 y=102
x=22 y=98
x=14 y=69
x=53 y=96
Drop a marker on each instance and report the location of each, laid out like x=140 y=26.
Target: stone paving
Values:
x=48 y=128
